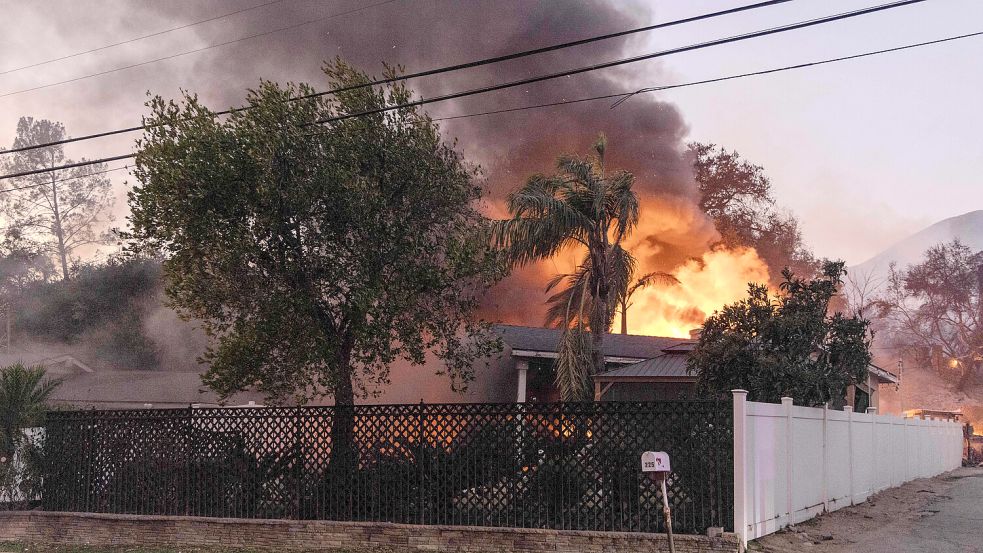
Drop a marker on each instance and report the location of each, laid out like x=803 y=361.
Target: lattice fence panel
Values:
x=570 y=466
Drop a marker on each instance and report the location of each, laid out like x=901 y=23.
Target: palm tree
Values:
x=581 y=206
x=23 y=393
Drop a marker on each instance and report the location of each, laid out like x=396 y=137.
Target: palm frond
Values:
x=622 y=204
x=601 y=146
x=653 y=279
x=574 y=359
x=561 y=311
x=23 y=394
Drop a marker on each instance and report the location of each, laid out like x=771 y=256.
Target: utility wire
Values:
x=68 y=166
x=196 y=50
x=40 y=184
x=624 y=61
x=622 y=96
x=511 y=84
x=135 y=39
x=435 y=71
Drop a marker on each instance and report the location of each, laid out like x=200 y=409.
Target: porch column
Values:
x=875 y=396
x=522 y=368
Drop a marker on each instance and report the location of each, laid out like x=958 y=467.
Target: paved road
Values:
x=936 y=515
x=952 y=522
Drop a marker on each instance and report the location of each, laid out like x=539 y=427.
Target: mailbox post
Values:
x=655 y=464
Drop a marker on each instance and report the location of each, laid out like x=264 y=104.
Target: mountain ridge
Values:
x=967 y=227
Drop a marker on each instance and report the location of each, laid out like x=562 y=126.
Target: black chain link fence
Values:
x=565 y=466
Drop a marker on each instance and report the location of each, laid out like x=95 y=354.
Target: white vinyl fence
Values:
x=792 y=463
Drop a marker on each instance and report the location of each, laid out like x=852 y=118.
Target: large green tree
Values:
x=581 y=206
x=316 y=255
x=784 y=345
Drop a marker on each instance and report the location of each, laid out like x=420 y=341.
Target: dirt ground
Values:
x=935 y=515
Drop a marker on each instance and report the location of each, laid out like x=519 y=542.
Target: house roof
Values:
x=547 y=340
x=55 y=364
x=670 y=364
x=137 y=389
x=883 y=376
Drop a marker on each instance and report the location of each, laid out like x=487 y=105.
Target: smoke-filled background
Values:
x=783 y=123
x=646 y=134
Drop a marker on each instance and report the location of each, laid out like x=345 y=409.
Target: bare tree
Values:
x=861 y=291
x=938 y=305
x=58 y=211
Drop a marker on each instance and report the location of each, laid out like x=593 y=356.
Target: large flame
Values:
x=719 y=277
x=673 y=236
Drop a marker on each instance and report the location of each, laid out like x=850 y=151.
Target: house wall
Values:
x=793 y=463
x=494 y=381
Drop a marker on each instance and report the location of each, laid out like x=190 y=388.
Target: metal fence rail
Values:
x=566 y=466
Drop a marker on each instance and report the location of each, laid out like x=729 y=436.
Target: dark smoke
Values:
x=645 y=135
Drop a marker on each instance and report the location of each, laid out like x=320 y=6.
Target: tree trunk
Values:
x=343 y=455
x=968 y=368
x=59 y=232
x=624 y=317
x=599 y=326
x=336 y=488
x=600 y=317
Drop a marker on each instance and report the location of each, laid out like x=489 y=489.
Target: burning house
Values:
x=638 y=368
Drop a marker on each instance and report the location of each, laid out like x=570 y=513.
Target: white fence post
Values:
x=907 y=453
x=740 y=465
x=873 y=487
x=790 y=477
x=826 y=457
x=849 y=445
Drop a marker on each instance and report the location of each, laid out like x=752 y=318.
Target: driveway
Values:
x=935 y=515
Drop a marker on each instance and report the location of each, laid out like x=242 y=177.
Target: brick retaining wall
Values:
x=110 y=529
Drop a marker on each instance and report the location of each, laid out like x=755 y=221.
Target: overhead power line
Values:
x=48 y=183
x=511 y=84
x=194 y=51
x=139 y=38
x=437 y=71
x=623 y=61
x=623 y=96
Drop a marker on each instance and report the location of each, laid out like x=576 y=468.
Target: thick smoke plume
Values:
x=646 y=136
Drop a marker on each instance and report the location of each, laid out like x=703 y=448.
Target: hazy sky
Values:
x=863 y=152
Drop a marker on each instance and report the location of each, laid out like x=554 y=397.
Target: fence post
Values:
x=849 y=445
x=298 y=463
x=740 y=465
x=826 y=457
x=906 y=456
x=420 y=461
x=874 y=485
x=787 y=406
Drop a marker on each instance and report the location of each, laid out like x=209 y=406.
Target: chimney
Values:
x=695 y=333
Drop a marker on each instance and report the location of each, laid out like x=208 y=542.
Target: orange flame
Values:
x=717 y=278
